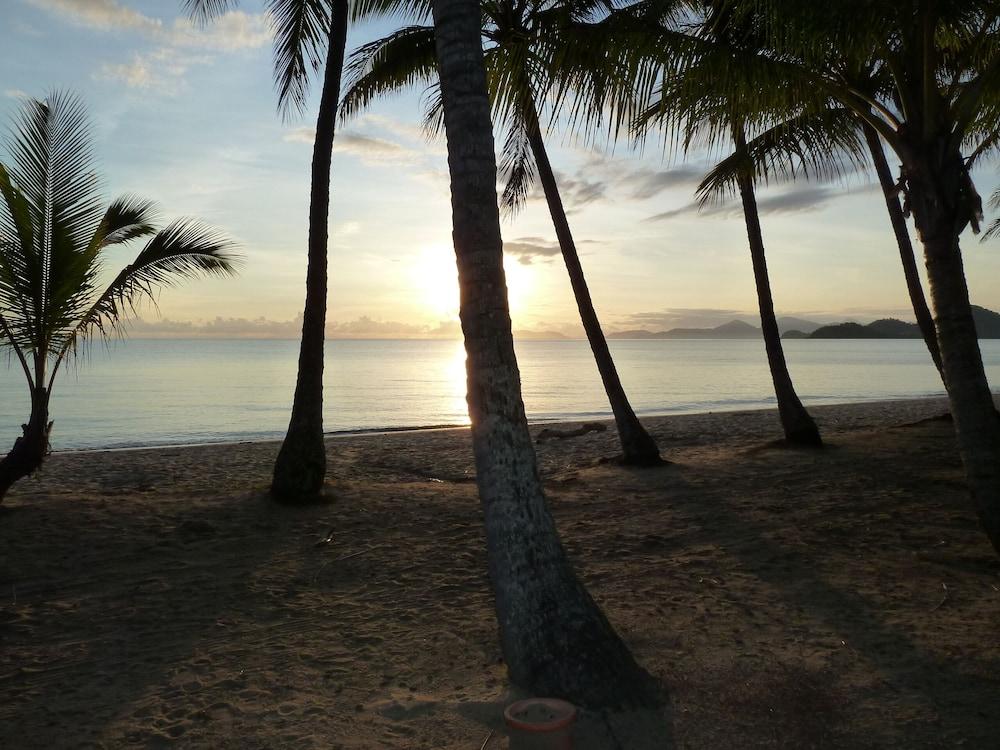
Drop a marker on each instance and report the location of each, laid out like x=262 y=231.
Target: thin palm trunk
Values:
x=638 y=447
x=799 y=427
x=936 y=188
x=300 y=468
x=31 y=447
x=554 y=637
x=916 y=290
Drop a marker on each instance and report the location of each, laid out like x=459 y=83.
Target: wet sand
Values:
x=787 y=599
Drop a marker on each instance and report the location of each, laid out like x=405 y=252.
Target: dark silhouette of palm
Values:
x=522 y=39
x=309 y=35
x=54 y=232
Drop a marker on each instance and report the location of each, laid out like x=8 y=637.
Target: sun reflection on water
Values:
x=454 y=372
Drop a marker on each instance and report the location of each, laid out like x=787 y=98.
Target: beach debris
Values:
x=487 y=740
x=943 y=598
x=552 y=432
x=354 y=554
x=328 y=539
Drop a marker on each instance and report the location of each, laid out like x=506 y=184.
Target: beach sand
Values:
x=843 y=598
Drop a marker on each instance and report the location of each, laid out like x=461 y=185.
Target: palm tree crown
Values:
x=54 y=232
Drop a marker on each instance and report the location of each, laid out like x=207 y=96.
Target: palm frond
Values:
x=388 y=65
x=410 y=10
x=994 y=228
x=301 y=34
x=127 y=218
x=205 y=10
x=821 y=146
x=182 y=250
x=516 y=168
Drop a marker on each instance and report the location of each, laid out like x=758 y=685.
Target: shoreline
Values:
x=604 y=418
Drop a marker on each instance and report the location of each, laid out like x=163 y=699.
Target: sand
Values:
x=787 y=599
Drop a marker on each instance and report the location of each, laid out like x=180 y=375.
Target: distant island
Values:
x=734 y=329
x=987 y=324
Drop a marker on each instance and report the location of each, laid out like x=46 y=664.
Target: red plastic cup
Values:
x=540 y=724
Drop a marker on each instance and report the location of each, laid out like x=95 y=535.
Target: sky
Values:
x=186 y=115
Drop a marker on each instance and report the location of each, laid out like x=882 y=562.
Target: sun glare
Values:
x=435 y=279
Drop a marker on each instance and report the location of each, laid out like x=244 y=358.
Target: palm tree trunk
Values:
x=554 y=637
x=799 y=427
x=301 y=464
x=935 y=188
x=32 y=447
x=638 y=447
x=923 y=314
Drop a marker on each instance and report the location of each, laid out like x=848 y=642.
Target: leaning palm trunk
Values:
x=554 y=637
x=937 y=186
x=916 y=290
x=638 y=447
x=799 y=427
x=301 y=464
x=31 y=448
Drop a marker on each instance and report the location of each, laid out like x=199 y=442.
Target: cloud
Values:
x=162 y=70
x=369 y=149
x=14 y=94
x=526 y=249
x=178 y=45
x=230 y=31
x=796 y=200
x=643 y=184
x=100 y=14
x=264 y=328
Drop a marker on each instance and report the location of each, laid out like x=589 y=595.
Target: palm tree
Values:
x=521 y=37
x=890 y=191
x=309 y=34
x=941 y=116
x=555 y=639
x=693 y=101
x=53 y=236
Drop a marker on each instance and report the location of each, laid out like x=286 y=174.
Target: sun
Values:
x=435 y=279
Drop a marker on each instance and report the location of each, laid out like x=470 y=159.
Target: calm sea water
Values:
x=162 y=392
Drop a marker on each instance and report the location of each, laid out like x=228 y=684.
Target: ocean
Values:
x=163 y=392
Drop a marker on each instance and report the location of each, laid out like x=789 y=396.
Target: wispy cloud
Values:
x=369 y=149
x=178 y=45
x=527 y=249
x=230 y=31
x=265 y=328
x=796 y=200
x=161 y=70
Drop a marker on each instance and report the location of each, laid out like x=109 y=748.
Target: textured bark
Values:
x=300 y=468
x=938 y=188
x=555 y=639
x=31 y=448
x=799 y=427
x=638 y=447
x=916 y=290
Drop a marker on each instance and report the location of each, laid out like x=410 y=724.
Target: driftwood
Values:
x=551 y=432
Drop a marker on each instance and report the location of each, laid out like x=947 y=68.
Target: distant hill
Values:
x=734 y=329
x=799 y=325
x=539 y=335
x=987 y=326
